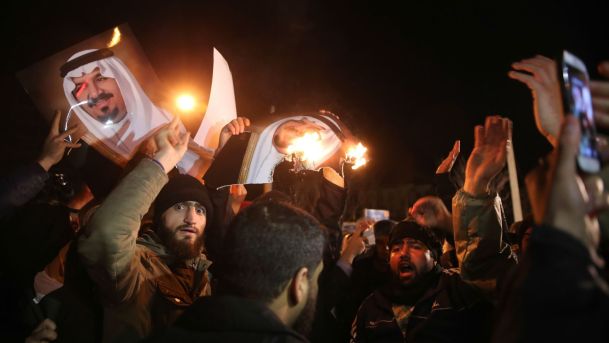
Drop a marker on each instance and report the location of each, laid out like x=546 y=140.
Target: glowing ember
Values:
x=116 y=37
x=307 y=147
x=185 y=102
x=356 y=155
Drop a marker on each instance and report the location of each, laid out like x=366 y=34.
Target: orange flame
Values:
x=307 y=147
x=116 y=37
x=356 y=155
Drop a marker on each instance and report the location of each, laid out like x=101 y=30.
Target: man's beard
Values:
x=181 y=249
x=109 y=116
x=304 y=322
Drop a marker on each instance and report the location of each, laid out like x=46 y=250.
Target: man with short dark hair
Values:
x=423 y=302
x=146 y=282
x=266 y=280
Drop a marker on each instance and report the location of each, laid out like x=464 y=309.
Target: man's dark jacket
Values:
x=225 y=319
x=449 y=310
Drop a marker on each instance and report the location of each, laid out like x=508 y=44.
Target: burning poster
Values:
x=313 y=140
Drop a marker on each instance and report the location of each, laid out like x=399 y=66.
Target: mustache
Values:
x=183 y=226
x=103 y=96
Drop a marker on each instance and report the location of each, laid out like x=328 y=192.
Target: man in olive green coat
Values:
x=146 y=282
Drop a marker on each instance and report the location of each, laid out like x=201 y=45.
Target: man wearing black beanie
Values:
x=146 y=282
x=423 y=302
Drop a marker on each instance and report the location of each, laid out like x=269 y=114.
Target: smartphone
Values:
x=375 y=214
x=578 y=101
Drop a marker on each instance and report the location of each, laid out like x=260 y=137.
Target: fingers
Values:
x=242 y=123
x=73 y=145
x=598 y=199
x=232 y=128
x=538 y=63
x=478 y=135
x=55 y=123
x=600 y=104
x=362 y=225
x=67 y=133
x=237 y=126
x=174 y=123
x=456 y=148
x=599 y=88
x=601 y=119
x=182 y=141
x=526 y=79
x=496 y=130
x=238 y=190
x=45 y=332
x=538 y=73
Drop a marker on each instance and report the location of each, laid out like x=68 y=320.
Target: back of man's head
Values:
x=265 y=246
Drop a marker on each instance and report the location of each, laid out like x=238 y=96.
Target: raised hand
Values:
x=354 y=244
x=430 y=211
x=55 y=144
x=171 y=144
x=449 y=161
x=559 y=196
x=540 y=74
x=44 y=332
x=488 y=156
x=235 y=127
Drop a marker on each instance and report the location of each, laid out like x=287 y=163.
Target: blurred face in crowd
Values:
x=410 y=259
x=182 y=229
x=104 y=91
x=292 y=129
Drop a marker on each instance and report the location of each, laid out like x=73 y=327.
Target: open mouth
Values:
x=406 y=269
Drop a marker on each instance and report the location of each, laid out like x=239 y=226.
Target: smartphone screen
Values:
x=376 y=215
x=578 y=101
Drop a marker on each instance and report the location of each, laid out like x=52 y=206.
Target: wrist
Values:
x=347 y=258
x=45 y=163
x=475 y=188
x=164 y=161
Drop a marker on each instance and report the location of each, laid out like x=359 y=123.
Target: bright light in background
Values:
x=185 y=102
x=116 y=37
x=307 y=147
x=356 y=155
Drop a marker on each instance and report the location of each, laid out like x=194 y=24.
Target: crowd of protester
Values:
x=160 y=257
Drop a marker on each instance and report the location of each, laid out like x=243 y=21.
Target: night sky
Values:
x=408 y=77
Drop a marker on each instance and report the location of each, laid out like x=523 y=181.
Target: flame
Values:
x=308 y=147
x=185 y=102
x=116 y=37
x=356 y=155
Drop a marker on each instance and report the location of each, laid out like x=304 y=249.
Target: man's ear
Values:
x=299 y=287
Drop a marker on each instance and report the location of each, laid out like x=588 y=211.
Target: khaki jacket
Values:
x=143 y=289
x=483 y=253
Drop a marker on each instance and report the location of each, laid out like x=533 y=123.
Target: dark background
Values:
x=408 y=77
